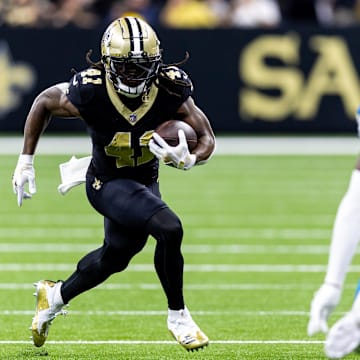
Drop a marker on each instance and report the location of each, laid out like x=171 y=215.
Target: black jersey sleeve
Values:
x=175 y=81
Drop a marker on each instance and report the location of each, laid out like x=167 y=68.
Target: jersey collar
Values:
x=131 y=116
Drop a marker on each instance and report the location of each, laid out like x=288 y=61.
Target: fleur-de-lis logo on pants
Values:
x=97 y=184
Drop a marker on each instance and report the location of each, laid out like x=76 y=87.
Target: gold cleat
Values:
x=48 y=305
x=185 y=331
x=192 y=342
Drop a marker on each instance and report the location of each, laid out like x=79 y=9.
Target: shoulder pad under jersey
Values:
x=82 y=86
x=175 y=80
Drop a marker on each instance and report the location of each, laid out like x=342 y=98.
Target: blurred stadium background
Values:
x=281 y=91
x=258 y=66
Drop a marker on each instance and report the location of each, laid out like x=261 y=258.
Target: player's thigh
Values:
x=126 y=202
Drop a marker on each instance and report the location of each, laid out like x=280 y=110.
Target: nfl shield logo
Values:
x=132 y=118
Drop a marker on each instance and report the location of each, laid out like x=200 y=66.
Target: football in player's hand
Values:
x=169 y=132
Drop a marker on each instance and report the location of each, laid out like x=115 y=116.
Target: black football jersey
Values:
x=120 y=134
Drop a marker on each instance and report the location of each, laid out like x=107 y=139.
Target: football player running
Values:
x=122 y=99
x=344 y=336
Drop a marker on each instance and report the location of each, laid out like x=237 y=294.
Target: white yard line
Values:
x=199 y=233
x=164 y=313
x=202 y=268
x=242 y=145
x=149 y=342
x=189 y=249
x=192 y=287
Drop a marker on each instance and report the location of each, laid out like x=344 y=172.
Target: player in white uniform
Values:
x=344 y=336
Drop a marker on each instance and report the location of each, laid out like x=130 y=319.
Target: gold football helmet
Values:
x=130 y=52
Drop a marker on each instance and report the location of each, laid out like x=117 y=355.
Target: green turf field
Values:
x=257 y=231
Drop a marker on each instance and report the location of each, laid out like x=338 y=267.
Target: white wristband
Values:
x=26 y=159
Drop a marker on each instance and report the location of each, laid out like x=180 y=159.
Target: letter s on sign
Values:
x=258 y=76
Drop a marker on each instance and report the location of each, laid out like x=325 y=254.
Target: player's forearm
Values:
x=206 y=138
x=36 y=122
x=204 y=149
x=51 y=102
